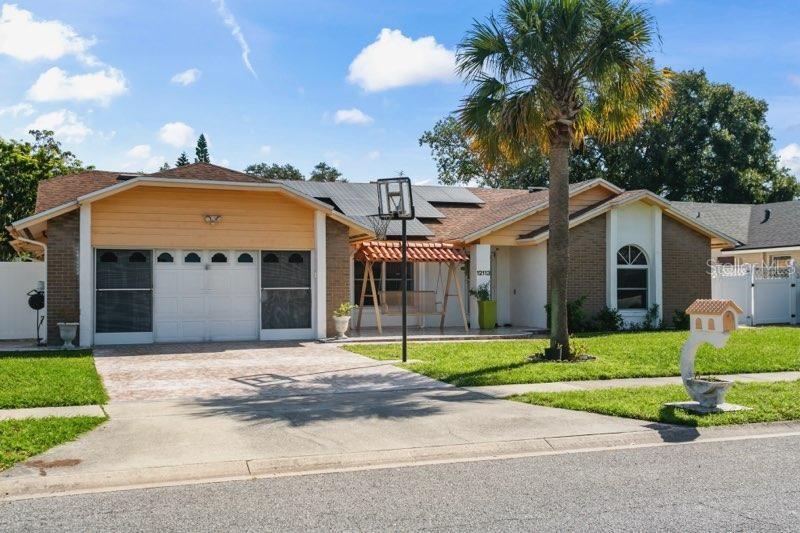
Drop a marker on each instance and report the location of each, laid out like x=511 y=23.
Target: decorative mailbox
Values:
x=711 y=321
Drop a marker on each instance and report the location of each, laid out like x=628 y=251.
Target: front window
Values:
x=124 y=291
x=632 y=277
x=393 y=279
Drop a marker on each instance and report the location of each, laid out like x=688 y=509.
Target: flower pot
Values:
x=342 y=323
x=487 y=314
x=68 y=332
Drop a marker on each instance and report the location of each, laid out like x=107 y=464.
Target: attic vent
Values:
x=536 y=189
x=126 y=177
x=767 y=214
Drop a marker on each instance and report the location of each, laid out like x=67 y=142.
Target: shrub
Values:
x=344 y=309
x=680 y=320
x=651 y=321
x=576 y=317
x=608 y=319
x=483 y=293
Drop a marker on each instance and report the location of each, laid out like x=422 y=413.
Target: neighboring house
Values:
x=202 y=252
x=766 y=234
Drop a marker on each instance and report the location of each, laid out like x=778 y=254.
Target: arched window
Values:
x=245 y=258
x=632 y=278
x=108 y=257
x=137 y=257
x=295 y=258
x=219 y=257
x=191 y=257
x=271 y=258
x=165 y=257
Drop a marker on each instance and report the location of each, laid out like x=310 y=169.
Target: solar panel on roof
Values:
x=444 y=194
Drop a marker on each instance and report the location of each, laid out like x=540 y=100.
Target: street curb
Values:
x=26 y=487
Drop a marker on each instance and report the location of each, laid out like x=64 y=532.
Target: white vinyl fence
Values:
x=17 y=320
x=768 y=295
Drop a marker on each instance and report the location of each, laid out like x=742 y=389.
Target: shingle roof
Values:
x=749 y=224
x=63 y=189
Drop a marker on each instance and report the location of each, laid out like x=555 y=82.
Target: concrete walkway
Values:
x=504 y=391
x=44 y=412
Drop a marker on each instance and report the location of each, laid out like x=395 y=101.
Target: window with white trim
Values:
x=124 y=291
x=632 y=278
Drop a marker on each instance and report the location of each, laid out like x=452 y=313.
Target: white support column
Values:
x=611 y=258
x=480 y=272
x=658 y=285
x=320 y=269
x=86 y=277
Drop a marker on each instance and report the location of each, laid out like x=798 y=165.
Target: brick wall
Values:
x=62 y=273
x=337 y=250
x=587 y=264
x=685 y=254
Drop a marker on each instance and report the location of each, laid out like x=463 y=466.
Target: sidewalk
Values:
x=44 y=412
x=504 y=391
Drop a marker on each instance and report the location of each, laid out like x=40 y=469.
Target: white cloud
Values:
x=177 y=134
x=65 y=124
x=265 y=150
x=790 y=157
x=223 y=162
x=140 y=151
x=17 y=110
x=56 y=85
x=351 y=116
x=373 y=155
x=230 y=21
x=794 y=79
x=187 y=77
x=395 y=60
x=141 y=157
x=24 y=38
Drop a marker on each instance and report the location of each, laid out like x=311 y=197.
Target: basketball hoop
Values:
x=379 y=226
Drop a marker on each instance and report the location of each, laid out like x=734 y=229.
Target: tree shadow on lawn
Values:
x=335 y=397
x=472 y=378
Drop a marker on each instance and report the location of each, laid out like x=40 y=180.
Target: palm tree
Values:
x=548 y=73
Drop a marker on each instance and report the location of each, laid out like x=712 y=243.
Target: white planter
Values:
x=68 y=331
x=342 y=323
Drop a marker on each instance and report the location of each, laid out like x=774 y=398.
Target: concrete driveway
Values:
x=239 y=370
x=181 y=412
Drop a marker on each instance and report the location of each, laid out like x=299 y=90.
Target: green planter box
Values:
x=487 y=314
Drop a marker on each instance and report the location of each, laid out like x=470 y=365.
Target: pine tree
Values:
x=164 y=167
x=182 y=161
x=201 y=152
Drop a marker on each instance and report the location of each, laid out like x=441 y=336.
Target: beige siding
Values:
x=507 y=236
x=171 y=217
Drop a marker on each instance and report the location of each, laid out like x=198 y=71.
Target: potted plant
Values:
x=341 y=318
x=68 y=331
x=487 y=308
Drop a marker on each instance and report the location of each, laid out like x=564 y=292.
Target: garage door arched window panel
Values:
x=165 y=257
x=245 y=258
x=285 y=290
x=632 y=278
x=219 y=257
x=191 y=257
x=124 y=291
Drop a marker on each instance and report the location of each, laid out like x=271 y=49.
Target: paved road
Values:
x=751 y=485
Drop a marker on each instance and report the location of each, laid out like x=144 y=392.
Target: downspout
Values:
x=17 y=236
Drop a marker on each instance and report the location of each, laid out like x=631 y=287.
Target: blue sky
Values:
x=353 y=83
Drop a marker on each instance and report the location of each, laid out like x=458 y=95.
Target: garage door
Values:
x=206 y=295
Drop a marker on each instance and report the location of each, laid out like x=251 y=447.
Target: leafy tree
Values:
x=712 y=144
x=201 y=151
x=22 y=166
x=182 y=160
x=164 y=167
x=325 y=172
x=458 y=163
x=275 y=171
x=546 y=74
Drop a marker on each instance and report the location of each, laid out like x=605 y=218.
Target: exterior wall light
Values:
x=212 y=219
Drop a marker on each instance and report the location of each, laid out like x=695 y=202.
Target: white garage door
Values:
x=206 y=295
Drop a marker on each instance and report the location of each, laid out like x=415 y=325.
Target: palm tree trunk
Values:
x=558 y=243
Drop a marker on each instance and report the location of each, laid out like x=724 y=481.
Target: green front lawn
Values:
x=46 y=379
x=20 y=439
x=619 y=355
x=771 y=402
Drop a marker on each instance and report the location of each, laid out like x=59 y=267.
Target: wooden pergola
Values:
x=419 y=302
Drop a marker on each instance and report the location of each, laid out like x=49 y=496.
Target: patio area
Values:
x=433 y=334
